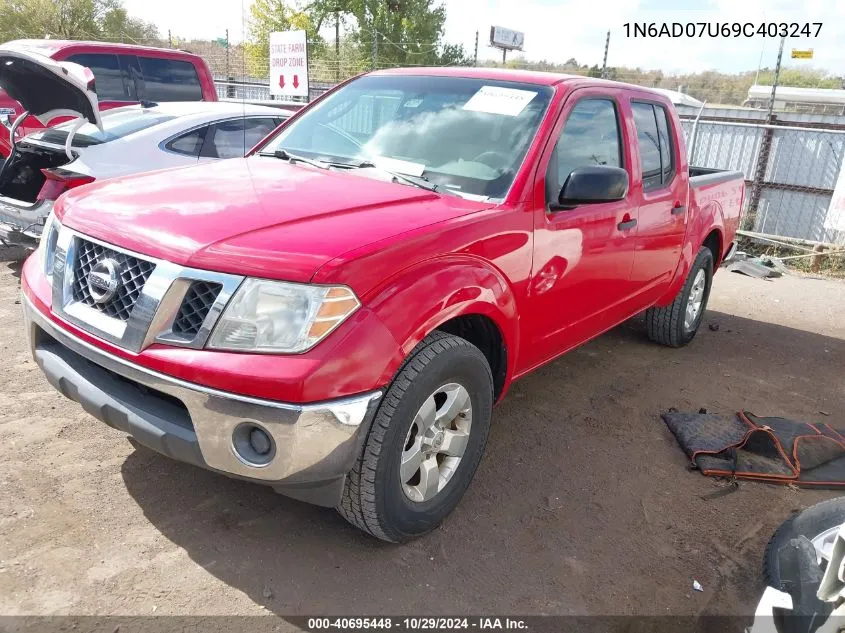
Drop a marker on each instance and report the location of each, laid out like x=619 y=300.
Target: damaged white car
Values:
x=97 y=145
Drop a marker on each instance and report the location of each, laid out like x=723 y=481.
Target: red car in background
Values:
x=124 y=74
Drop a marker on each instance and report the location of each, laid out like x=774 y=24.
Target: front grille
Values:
x=198 y=301
x=133 y=272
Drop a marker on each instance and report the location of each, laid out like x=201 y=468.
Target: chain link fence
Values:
x=790 y=173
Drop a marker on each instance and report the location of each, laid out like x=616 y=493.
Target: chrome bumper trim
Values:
x=314 y=442
x=153 y=314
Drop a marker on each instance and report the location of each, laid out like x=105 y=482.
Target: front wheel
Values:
x=425 y=442
x=675 y=325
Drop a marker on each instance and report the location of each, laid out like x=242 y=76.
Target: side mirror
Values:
x=588 y=185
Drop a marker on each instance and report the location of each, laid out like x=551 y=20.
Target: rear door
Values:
x=662 y=200
x=168 y=80
x=582 y=256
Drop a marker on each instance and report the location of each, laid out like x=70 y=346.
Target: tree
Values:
x=73 y=19
x=267 y=16
x=453 y=55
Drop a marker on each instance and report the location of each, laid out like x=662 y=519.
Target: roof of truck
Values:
x=50 y=47
x=511 y=74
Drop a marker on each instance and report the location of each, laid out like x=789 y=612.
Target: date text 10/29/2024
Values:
x=722 y=29
x=416 y=624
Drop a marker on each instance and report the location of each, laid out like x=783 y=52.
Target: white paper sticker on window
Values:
x=495 y=100
x=413 y=103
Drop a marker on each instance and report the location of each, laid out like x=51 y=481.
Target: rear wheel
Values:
x=676 y=325
x=425 y=443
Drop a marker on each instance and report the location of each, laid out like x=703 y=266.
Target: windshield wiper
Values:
x=417 y=181
x=294 y=158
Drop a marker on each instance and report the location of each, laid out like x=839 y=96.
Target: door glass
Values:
x=667 y=150
x=589 y=137
x=649 y=144
x=169 y=80
x=109 y=78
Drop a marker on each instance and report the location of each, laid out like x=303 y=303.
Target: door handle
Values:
x=627 y=225
x=678 y=210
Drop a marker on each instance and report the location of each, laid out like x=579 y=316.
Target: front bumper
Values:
x=314 y=445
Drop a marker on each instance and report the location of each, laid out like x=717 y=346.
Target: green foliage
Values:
x=72 y=19
x=267 y=16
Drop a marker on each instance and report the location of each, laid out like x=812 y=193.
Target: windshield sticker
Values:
x=413 y=103
x=495 y=100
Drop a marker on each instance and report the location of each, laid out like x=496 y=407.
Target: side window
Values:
x=654 y=144
x=231 y=139
x=169 y=80
x=667 y=147
x=188 y=144
x=109 y=79
x=589 y=137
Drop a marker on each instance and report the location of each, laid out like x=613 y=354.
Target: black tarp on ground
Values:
x=775 y=450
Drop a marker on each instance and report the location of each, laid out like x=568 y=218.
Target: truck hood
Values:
x=254 y=216
x=46 y=88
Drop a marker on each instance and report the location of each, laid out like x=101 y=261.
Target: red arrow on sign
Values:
x=296 y=81
x=281 y=81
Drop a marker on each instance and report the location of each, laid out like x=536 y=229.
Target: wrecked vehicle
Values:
x=121 y=141
x=336 y=314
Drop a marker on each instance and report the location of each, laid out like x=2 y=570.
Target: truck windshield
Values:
x=467 y=136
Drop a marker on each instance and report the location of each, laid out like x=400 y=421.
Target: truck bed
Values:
x=723 y=188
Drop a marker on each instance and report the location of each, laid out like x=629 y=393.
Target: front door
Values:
x=582 y=256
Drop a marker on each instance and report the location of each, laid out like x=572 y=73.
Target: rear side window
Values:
x=231 y=139
x=111 y=81
x=117 y=124
x=655 y=143
x=170 y=80
x=188 y=144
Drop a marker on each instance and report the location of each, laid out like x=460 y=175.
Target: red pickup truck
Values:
x=336 y=314
x=124 y=74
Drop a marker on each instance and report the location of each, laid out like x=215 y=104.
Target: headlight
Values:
x=274 y=316
x=47 y=243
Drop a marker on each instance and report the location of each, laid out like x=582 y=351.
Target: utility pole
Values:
x=228 y=77
x=169 y=39
x=604 y=62
x=775 y=82
x=337 y=42
x=475 y=56
x=375 y=36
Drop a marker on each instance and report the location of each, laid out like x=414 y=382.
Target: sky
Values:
x=557 y=30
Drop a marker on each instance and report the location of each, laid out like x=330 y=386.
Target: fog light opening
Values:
x=253 y=445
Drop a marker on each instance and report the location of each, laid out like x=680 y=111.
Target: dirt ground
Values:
x=583 y=503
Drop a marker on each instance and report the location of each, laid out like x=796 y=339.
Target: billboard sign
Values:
x=507 y=39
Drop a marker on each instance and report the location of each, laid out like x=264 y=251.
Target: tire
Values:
x=374 y=497
x=666 y=324
x=810 y=523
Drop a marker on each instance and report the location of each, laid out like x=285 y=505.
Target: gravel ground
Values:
x=583 y=503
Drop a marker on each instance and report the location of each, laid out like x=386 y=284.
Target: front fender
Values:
x=704 y=220
x=419 y=299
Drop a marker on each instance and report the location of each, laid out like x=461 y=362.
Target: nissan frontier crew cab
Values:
x=336 y=314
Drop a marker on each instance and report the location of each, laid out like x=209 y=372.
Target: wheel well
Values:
x=714 y=243
x=483 y=332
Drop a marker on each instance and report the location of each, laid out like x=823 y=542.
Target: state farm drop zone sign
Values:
x=289 y=64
